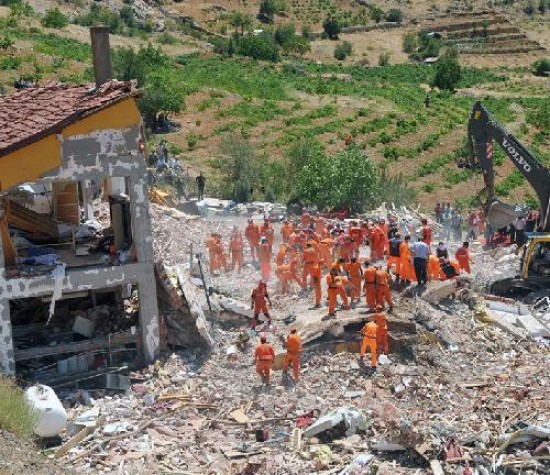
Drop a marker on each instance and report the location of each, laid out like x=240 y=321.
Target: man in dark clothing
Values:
x=201 y=182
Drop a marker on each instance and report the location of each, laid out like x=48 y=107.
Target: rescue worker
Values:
x=346 y=246
x=316 y=275
x=325 y=250
x=281 y=254
x=426 y=232
x=287 y=273
x=441 y=250
x=377 y=244
x=381 y=331
x=260 y=299
x=369 y=332
x=286 y=230
x=264 y=357
x=252 y=234
x=305 y=220
x=369 y=275
x=264 y=256
x=356 y=234
x=343 y=290
x=293 y=350
x=462 y=255
x=267 y=231
x=407 y=268
x=434 y=268
x=383 y=293
x=394 y=256
x=355 y=273
x=311 y=259
x=236 y=249
x=211 y=245
x=334 y=288
x=220 y=253
x=320 y=226
x=449 y=268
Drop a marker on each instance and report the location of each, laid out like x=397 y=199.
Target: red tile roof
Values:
x=30 y=114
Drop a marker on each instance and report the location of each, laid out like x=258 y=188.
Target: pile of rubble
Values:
x=461 y=392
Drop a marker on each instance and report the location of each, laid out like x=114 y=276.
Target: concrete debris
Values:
x=454 y=372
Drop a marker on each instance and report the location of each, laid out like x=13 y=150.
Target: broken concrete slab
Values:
x=439 y=290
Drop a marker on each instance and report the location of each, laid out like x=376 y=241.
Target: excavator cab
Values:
x=536 y=258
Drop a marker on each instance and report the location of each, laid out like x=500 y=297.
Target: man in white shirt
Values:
x=420 y=252
x=520 y=224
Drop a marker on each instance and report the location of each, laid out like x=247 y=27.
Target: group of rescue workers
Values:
x=311 y=247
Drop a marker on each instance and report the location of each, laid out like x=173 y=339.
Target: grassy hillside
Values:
x=274 y=105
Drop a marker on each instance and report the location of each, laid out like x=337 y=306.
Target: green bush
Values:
x=343 y=50
x=55 y=18
x=284 y=34
x=268 y=8
x=6 y=42
x=166 y=38
x=448 y=71
x=15 y=415
x=394 y=15
x=192 y=140
x=10 y=62
x=262 y=47
x=376 y=13
x=541 y=67
x=384 y=58
x=410 y=42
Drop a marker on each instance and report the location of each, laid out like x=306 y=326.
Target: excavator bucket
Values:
x=502 y=214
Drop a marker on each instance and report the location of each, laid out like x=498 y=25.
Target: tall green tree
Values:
x=268 y=8
x=241 y=21
x=448 y=71
x=332 y=27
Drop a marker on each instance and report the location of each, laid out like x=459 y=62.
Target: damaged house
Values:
x=77 y=285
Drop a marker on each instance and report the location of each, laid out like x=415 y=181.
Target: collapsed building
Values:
x=76 y=260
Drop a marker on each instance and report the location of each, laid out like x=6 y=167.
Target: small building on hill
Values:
x=77 y=287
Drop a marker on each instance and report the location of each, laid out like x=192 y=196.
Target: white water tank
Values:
x=51 y=417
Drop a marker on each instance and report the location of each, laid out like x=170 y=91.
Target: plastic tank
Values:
x=51 y=417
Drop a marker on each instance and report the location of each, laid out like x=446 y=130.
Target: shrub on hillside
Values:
x=55 y=18
x=384 y=58
x=410 y=42
x=376 y=13
x=268 y=8
x=262 y=46
x=394 y=15
x=343 y=50
x=284 y=34
x=448 y=71
x=541 y=67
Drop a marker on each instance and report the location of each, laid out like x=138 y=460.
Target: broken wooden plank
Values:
x=77 y=438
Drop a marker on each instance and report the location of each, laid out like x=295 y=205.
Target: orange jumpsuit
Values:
x=264 y=356
x=316 y=275
x=264 y=256
x=311 y=259
x=385 y=227
x=355 y=276
x=369 y=332
x=377 y=244
x=211 y=245
x=286 y=230
x=280 y=259
x=343 y=285
x=293 y=350
x=369 y=276
x=287 y=273
x=335 y=288
x=236 y=250
x=259 y=302
x=320 y=226
x=220 y=255
x=305 y=220
x=356 y=234
x=346 y=248
x=325 y=250
x=252 y=233
x=383 y=293
x=268 y=231
x=407 y=268
x=426 y=234
x=381 y=332
x=463 y=257
x=434 y=269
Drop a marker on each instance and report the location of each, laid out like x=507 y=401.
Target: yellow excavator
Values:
x=483 y=131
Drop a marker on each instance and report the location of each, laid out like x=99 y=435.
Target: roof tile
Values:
x=26 y=114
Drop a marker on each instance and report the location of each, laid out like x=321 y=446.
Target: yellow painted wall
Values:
x=33 y=161
x=121 y=115
x=30 y=162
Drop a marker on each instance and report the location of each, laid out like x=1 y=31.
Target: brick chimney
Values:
x=101 y=55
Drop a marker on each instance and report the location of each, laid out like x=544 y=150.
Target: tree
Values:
x=394 y=15
x=268 y=8
x=542 y=6
x=384 y=58
x=529 y=8
x=410 y=42
x=241 y=20
x=448 y=72
x=285 y=33
x=332 y=27
x=376 y=13
x=541 y=67
x=163 y=94
x=55 y=18
x=238 y=166
x=262 y=46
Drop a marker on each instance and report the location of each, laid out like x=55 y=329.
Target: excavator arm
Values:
x=483 y=130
